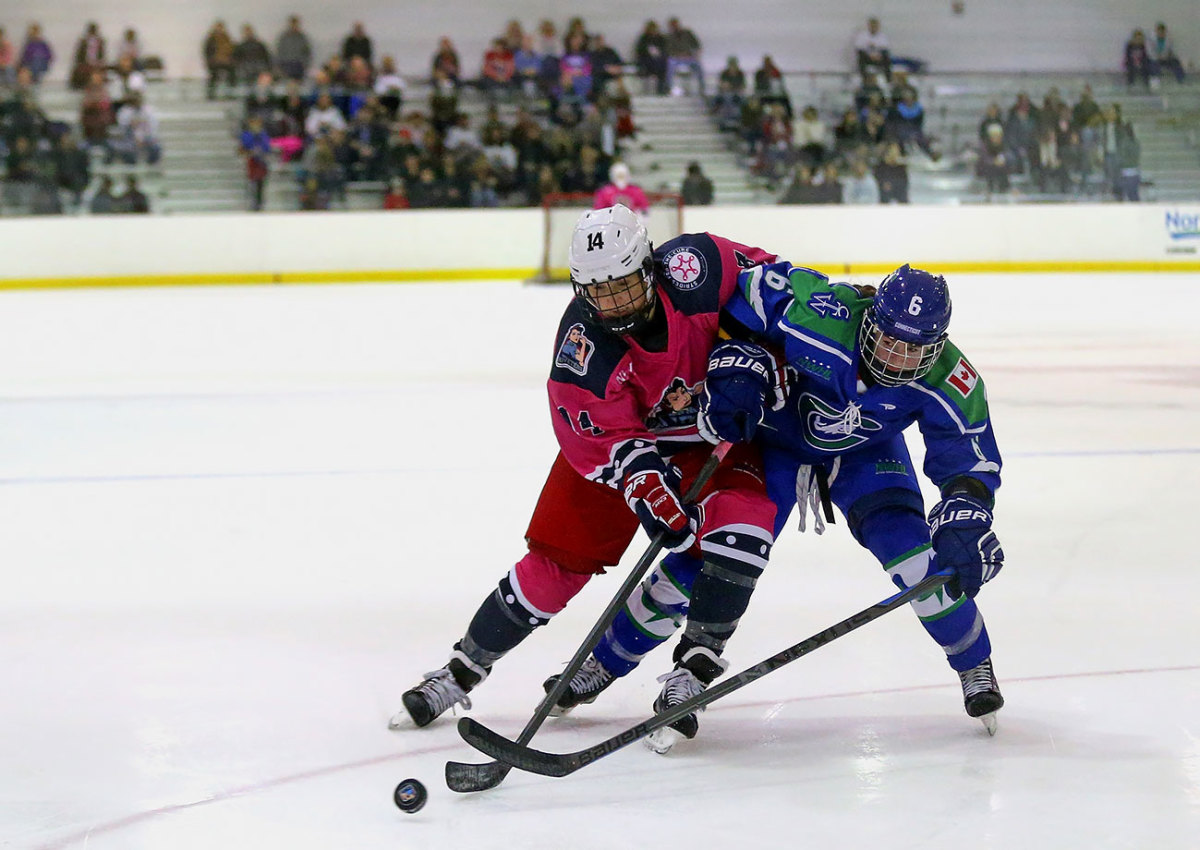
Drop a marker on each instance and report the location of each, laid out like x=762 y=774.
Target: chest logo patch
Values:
x=687 y=268
x=677 y=408
x=828 y=429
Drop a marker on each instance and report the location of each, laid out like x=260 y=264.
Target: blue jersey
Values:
x=830 y=411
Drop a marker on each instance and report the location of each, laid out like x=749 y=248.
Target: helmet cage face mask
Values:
x=623 y=305
x=894 y=362
x=904 y=330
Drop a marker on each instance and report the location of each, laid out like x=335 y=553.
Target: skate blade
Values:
x=662 y=740
x=400 y=720
x=989 y=722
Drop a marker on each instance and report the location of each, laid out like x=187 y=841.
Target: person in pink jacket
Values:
x=620 y=190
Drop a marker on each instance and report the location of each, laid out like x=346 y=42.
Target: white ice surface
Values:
x=236 y=523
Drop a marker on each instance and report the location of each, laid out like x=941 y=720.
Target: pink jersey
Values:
x=631 y=196
x=613 y=400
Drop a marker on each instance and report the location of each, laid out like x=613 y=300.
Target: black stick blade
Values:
x=468 y=778
x=510 y=752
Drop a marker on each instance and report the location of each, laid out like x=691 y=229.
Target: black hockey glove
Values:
x=742 y=379
x=963 y=541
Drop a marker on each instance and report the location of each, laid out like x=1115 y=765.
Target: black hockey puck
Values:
x=410 y=795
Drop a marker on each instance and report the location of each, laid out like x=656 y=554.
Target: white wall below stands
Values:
x=313 y=247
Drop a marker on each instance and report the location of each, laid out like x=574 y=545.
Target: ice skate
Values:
x=586 y=685
x=981 y=694
x=690 y=677
x=442 y=689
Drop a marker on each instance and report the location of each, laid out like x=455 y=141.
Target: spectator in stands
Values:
x=45 y=199
x=776 y=152
x=73 y=167
x=456 y=181
x=650 y=55
x=1020 y=132
x=323 y=116
x=606 y=64
x=96 y=112
x=428 y=191
x=358 y=44
x=1162 y=55
x=124 y=81
x=103 y=202
x=575 y=71
x=992 y=117
x=697 y=188
x=8 y=60
x=445 y=61
x=726 y=106
x=389 y=87
x=828 y=184
x=527 y=68
x=218 y=58
x=484 y=187
x=993 y=165
x=501 y=155
x=801 y=189
x=133 y=200
x=545 y=183
x=906 y=124
x=251 y=57
x=136 y=135
x=1049 y=168
x=547 y=34
x=36 y=53
x=1086 y=119
x=769 y=86
x=443 y=103
x=312 y=196
x=130 y=47
x=20 y=172
x=621 y=190
x=860 y=186
x=872 y=49
x=1124 y=163
x=461 y=138
x=89 y=56
x=733 y=74
x=810 y=137
x=498 y=70
x=396 y=197
x=851 y=139
x=514 y=35
x=683 y=53
x=892 y=176
x=261 y=101
x=900 y=85
x=1137 y=60
x=255 y=149
x=293 y=50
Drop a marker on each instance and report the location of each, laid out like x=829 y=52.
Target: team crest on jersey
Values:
x=687 y=268
x=824 y=304
x=963 y=377
x=575 y=351
x=677 y=407
x=828 y=429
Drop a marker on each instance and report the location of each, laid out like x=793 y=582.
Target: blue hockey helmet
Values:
x=904 y=330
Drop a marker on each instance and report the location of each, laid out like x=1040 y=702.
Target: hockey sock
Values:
x=502 y=622
x=651 y=614
x=734 y=558
x=955 y=624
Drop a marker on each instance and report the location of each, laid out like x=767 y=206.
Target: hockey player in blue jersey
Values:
x=857 y=367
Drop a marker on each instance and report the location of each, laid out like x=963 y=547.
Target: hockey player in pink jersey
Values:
x=621 y=190
x=630 y=356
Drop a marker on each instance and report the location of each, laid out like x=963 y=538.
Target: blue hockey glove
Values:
x=742 y=378
x=652 y=492
x=963 y=542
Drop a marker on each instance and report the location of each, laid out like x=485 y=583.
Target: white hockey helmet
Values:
x=612 y=268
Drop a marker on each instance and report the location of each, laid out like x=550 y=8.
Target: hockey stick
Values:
x=465 y=778
x=561 y=764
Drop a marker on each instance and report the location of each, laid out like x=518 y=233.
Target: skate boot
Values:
x=442 y=689
x=981 y=693
x=586 y=685
x=692 y=674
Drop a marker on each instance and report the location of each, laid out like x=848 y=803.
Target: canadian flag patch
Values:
x=963 y=377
